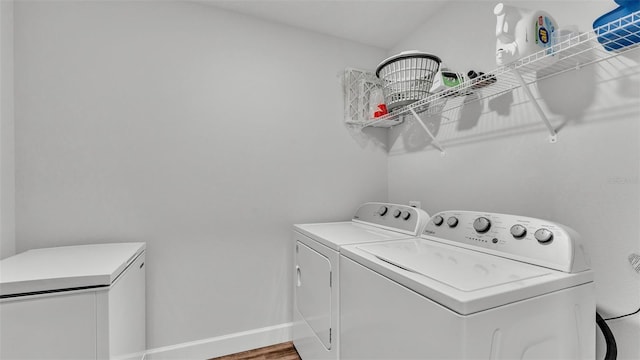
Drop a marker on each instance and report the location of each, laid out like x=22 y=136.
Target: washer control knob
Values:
x=438 y=220
x=482 y=224
x=383 y=210
x=543 y=236
x=452 y=221
x=518 y=231
x=396 y=213
x=406 y=215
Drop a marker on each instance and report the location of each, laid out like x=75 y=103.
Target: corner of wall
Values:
x=224 y=345
x=7 y=145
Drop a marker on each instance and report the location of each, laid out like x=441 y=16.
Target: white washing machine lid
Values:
x=337 y=234
x=65 y=268
x=462 y=280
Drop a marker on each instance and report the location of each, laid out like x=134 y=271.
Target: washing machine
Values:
x=473 y=286
x=74 y=302
x=316 y=273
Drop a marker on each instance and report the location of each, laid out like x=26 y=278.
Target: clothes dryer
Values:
x=316 y=272
x=473 y=286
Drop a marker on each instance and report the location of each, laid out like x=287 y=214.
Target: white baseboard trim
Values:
x=224 y=345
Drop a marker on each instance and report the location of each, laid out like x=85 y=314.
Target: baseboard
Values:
x=224 y=345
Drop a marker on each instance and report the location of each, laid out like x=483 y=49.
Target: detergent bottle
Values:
x=522 y=32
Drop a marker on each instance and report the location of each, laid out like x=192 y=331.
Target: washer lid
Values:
x=462 y=280
x=65 y=268
x=460 y=269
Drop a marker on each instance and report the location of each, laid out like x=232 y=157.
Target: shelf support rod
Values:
x=434 y=142
x=553 y=134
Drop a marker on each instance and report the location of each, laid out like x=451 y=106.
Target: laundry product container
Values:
x=74 y=302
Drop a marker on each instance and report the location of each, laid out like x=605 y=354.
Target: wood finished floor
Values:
x=284 y=351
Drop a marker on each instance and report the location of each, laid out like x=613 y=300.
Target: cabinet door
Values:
x=313 y=291
x=49 y=327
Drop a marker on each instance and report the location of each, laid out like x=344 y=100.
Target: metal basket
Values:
x=407 y=77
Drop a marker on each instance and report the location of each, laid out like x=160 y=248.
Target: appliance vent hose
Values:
x=612 y=348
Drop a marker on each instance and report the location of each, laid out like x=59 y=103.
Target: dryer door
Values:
x=313 y=291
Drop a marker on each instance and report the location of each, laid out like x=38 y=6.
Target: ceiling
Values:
x=381 y=23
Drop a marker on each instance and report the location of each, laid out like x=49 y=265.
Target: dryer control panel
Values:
x=402 y=218
x=530 y=240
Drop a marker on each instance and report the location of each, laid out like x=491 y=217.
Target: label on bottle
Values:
x=450 y=79
x=544 y=30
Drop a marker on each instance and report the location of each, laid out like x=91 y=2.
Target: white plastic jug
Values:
x=522 y=32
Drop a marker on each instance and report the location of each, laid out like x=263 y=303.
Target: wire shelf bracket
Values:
x=434 y=142
x=553 y=134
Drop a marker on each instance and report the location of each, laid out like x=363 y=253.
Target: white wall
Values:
x=205 y=133
x=504 y=163
x=7 y=153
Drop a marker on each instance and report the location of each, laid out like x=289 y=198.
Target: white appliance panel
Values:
x=564 y=251
x=313 y=289
x=305 y=339
x=373 y=314
x=381 y=319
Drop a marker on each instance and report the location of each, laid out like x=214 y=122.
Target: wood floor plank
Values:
x=284 y=351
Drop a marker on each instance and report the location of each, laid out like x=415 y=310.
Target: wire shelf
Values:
x=569 y=53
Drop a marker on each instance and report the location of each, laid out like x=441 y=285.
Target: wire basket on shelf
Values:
x=358 y=85
x=407 y=77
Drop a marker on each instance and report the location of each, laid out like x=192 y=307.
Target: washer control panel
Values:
x=402 y=218
x=530 y=240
